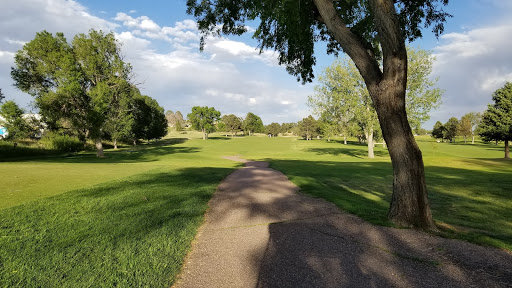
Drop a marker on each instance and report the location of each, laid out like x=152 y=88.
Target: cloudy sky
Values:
x=161 y=42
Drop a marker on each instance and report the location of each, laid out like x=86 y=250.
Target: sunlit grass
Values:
x=128 y=219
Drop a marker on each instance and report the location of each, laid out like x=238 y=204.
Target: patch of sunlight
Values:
x=368 y=195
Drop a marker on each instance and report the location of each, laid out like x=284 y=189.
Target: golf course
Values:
x=128 y=219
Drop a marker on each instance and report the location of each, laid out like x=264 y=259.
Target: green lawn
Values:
x=129 y=219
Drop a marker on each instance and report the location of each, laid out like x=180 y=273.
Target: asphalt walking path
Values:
x=259 y=232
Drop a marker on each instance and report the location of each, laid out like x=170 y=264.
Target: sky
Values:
x=161 y=42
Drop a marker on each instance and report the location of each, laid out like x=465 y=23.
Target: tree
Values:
x=450 y=129
x=328 y=129
x=438 y=130
x=203 y=119
x=421 y=95
x=2 y=97
x=16 y=125
x=171 y=120
x=273 y=129
x=119 y=118
x=474 y=118
x=465 y=128
x=343 y=94
x=149 y=118
x=496 y=121
x=179 y=121
x=287 y=127
x=367 y=30
x=308 y=127
x=78 y=82
x=232 y=123
x=253 y=124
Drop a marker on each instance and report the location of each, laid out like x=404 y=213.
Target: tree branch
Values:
x=351 y=44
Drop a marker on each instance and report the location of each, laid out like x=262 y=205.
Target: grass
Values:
x=129 y=219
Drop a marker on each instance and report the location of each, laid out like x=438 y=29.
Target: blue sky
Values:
x=161 y=42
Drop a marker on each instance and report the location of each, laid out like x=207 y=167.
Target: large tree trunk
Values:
x=99 y=148
x=409 y=204
x=115 y=144
x=473 y=141
x=369 y=138
x=507 y=149
x=345 y=139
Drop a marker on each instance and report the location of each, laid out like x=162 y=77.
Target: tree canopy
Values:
x=17 y=127
x=253 y=124
x=496 y=124
x=308 y=127
x=203 y=119
x=232 y=123
x=273 y=129
x=79 y=82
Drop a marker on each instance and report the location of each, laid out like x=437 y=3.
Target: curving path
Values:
x=259 y=232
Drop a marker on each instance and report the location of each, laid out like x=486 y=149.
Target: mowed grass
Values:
x=129 y=219
x=129 y=232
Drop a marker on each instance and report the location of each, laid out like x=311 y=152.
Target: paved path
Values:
x=259 y=232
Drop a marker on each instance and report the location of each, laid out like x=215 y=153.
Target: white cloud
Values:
x=471 y=66
x=229 y=75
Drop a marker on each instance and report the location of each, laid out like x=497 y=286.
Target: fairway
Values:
x=129 y=219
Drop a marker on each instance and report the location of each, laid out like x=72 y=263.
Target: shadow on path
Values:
x=260 y=233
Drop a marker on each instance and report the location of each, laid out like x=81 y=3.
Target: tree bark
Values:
x=507 y=149
x=369 y=137
x=99 y=148
x=409 y=204
x=115 y=144
x=344 y=139
x=473 y=141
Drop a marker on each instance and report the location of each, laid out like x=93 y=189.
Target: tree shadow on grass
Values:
x=346 y=252
x=132 y=233
x=474 y=199
x=357 y=152
x=140 y=153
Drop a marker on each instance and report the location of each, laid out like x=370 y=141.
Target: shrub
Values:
x=64 y=143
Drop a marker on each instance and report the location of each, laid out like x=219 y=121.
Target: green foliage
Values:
x=273 y=129
x=421 y=95
x=253 y=124
x=231 y=123
x=203 y=119
x=17 y=127
x=308 y=127
x=149 y=118
x=450 y=129
x=84 y=83
x=465 y=127
x=342 y=96
x=287 y=127
x=61 y=143
x=292 y=27
x=496 y=121
x=438 y=130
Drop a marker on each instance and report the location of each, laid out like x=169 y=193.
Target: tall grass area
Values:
x=129 y=219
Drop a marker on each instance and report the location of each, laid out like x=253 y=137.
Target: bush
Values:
x=63 y=143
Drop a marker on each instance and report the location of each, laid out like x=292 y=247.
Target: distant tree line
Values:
x=493 y=125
